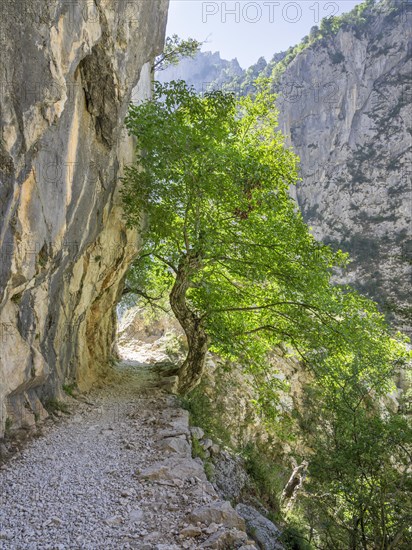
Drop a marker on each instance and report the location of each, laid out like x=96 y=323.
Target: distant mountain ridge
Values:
x=206 y=70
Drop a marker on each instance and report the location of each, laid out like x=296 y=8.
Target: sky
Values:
x=249 y=29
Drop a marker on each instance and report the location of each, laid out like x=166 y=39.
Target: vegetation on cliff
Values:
x=174 y=50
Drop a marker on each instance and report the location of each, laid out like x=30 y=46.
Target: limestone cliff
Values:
x=67 y=73
x=345 y=105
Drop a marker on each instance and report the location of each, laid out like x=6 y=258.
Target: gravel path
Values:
x=94 y=481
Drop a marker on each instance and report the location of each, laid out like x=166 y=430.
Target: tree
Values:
x=329 y=25
x=359 y=484
x=225 y=241
x=175 y=49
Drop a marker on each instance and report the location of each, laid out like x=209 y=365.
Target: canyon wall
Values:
x=345 y=106
x=68 y=69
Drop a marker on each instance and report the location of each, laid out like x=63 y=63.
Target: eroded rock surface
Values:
x=264 y=532
x=67 y=71
x=345 y=105
x=218 y=512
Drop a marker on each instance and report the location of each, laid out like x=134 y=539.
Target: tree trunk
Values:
x=190 y=373
x=353 y=534
x=362 y=524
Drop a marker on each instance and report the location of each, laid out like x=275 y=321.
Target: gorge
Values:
x=69 y=71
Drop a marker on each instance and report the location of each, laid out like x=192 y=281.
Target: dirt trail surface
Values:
x=116 y=474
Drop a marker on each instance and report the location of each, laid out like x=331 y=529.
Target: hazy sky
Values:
x=249 y=29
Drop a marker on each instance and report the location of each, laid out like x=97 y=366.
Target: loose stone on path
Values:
x=116 y=474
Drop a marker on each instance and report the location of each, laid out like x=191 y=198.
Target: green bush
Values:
x=267 y=475
x=293 y=538
x=69 y=389
x=337 y=57
x=54 y=405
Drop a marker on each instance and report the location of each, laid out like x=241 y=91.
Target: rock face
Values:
x=67 y=74
x=345 y=105
x=263 y=531
x=220 y=512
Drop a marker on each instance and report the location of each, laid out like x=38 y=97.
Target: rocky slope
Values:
x=345 y=107
x=67 y=73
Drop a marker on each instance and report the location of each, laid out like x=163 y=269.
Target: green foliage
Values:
x=356 y=19
x=175 y=346
x=359 y=475
x=337 y=57
x=197 y=450
x=175 y=49
x=295 y=537
x=262 y=462
x=269 y=478
x=209 y=469
x=69 y=389
x=212 y=176
x=54 y=405
x=207 y=414
x=8 y=425
x=329 y=25
x=16 y=298
x=279 y=68
x=42 y=257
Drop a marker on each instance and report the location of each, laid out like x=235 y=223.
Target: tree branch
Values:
x=150 y=299
x=165 y=262
x=265 y=306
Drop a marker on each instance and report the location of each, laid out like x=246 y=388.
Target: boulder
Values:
x=197 y=432
x=177 y=445
x=214 y=449
x=206 y=444
x=220 y=512
x=174 y=469
x=262 y=530
x=229 y=475
x=178 y=425
x=170 y=384
x=191 y=531
x=232 y=539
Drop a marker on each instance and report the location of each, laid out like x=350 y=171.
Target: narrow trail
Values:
x=115 y=474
